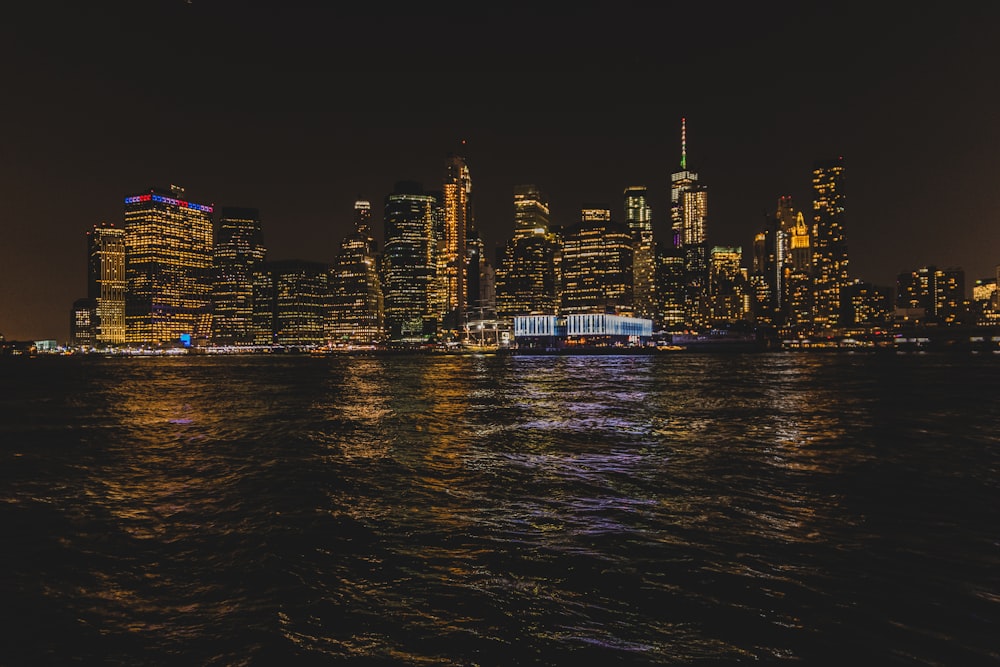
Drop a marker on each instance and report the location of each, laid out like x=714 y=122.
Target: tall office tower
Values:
x=798 y=309
x=299 y=301
x=106 y=282
x=800 y=246
x=239 y=250
x=763 y=278
x=457 y=199
x=356 y=305
x=527 y=281
x=680 y=182
x=830 y=242
x=487 y=289
x=597 y=265
x=531 y=212
x=784 y=222
x=639 y=221
x=168 y=262
x=262 y=323
x=527 y=275
x=670 y=286
x=474 y=249
x=728 y=298
x=409 y=263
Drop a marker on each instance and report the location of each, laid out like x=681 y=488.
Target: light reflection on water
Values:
x=498 y=510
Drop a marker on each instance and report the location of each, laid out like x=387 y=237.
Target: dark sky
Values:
x=299 y=108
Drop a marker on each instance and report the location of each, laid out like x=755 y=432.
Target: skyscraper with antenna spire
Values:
x=689 y=217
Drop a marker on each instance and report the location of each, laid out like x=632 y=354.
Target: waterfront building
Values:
x=984 y=293
x=106 y=283
x=300 y=302
x=597 y=274
x=764 y=279
x=829 y=251
x=639 y=221
x=409 y=262
x=866 y=304
x=799 y=308
x=938 y=293
x=168 y=262
x=453 y=261
x=581 y=330
x=83 y=323
x=239 y=251
x=356 y=302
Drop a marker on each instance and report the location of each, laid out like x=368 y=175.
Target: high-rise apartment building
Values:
x=356 y=305
x=597 y=265
x=829 y=255
x=940 y=293
x=409 y=262
x=239 y=251
x=106 y=283
x=168 y=262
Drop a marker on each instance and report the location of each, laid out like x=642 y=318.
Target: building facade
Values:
x=409 y=262
x=356 y=304
x=597 y=272
x=239 y=252
x=168 y=268
x=106 y=283
x=829 y=251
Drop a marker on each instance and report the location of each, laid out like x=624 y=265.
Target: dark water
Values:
x=779 y=509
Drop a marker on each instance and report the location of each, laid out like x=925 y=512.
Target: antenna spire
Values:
x=684 y=150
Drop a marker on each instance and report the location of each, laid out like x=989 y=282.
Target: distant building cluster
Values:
x=164 y=280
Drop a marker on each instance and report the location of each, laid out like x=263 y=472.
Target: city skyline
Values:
x=254 y=128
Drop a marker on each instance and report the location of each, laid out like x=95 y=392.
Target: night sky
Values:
x=298 y=110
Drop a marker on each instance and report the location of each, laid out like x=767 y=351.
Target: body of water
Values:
x=461 y=510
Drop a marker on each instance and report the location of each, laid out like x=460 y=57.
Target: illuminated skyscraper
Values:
x=531 y=212
x=830 y=242
x=82 y=329
x=527 y=280
x=680 y=182
x=670 y=286
x=239 y=251
x=168 y=262
x=639 y=221
x=356 y=306
x=689 y=219
x=453 y=263
x=409 y=263
x=597 y=265
x=940 y=293
x=728 y=297
x=106 y=282
x=300 y=301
